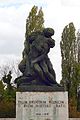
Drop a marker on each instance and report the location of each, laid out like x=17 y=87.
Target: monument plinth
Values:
x=42 y=106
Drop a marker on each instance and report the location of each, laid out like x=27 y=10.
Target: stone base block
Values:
x=41 y=106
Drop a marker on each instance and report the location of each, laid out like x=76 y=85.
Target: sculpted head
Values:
x=48 y=32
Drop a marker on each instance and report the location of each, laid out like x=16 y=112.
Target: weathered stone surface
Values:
x=41 y=106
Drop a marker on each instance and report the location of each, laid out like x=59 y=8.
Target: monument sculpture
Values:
x=36 y=65
x=40 y=97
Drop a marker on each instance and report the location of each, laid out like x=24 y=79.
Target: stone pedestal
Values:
x=41 y=106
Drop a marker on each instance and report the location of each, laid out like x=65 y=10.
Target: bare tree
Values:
x=10 y=66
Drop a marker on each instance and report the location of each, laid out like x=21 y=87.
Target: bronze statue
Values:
x=36 y=66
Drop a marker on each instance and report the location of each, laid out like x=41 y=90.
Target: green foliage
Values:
x=73 y=113
x=35 y=20
x=1 y=87
x=7 y=109
x=78 y=46
x=1 y=90
x=8 y=104
x=9 y=94
x=7 y=98
x=7 y=78
x=68 y=44
x=71 y=66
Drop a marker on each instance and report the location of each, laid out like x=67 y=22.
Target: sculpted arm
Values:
x=43 y=54
x=38 y=59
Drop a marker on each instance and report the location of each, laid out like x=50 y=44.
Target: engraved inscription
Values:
x=41 y=103
x=41 y=106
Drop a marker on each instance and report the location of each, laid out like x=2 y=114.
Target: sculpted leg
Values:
x=48 y=75
x=40 y=73
x=50 y=67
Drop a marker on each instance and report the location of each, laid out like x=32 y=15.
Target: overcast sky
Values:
x=13 y=14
